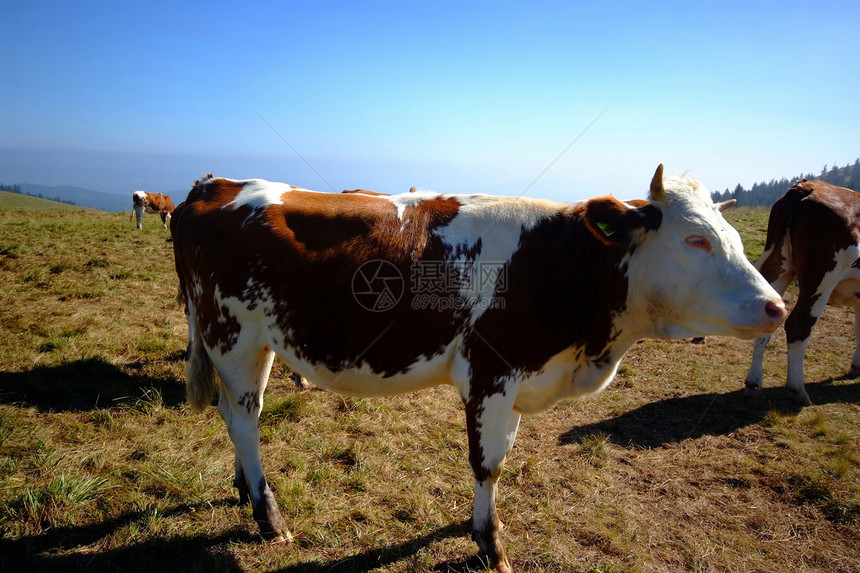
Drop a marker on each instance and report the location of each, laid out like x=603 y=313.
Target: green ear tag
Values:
x=606 y=229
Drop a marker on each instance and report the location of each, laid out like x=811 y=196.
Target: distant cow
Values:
x=813 y=233
x=516 y=302
x=152 y=203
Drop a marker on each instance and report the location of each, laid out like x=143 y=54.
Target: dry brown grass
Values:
x=103 y=468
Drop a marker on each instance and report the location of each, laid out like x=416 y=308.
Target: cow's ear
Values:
x=613 y=222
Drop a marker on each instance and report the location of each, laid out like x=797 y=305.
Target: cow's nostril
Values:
x=775 y=310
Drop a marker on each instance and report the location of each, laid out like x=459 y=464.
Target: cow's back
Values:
x=167 y=204
x=311 y=266
x=816 y=218
x=824 y=232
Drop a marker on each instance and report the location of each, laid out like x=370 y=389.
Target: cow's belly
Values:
x=259 y=331
x=363 y=381
x=847 y=292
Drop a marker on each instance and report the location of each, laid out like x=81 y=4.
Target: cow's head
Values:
x=687 y=272
x=139 y=200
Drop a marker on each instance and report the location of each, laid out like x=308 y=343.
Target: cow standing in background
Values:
x=152 y=203
x=516 y=302
x=813 y=233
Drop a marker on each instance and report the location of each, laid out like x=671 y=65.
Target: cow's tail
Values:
x=200 y=386
x=201 y=377
x=781 y=213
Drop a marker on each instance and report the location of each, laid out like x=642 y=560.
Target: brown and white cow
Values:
x=516 y=302
x=813 y=233
x=152 y=203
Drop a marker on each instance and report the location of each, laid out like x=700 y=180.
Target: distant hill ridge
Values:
x=767 y=193
x=15 y=200
x=760 y=193
x=76 y=196
x=73 y=196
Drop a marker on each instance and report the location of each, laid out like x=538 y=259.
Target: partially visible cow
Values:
x=535 y=301
x=152 y=203
x=813 y=233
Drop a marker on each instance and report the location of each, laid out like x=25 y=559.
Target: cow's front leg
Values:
x=755 y=374
x=773 y=267
x=795 y=379
x=492 y=425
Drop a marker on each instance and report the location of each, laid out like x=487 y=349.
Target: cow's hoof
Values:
x=752 y=391
x=300 y=382
x=269 y=520
x=274 y=535
x=801 y=397
x=499 y=566
x=491 y=551
x=288 y=538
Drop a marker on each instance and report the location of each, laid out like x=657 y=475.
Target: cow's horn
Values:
x=657 y=190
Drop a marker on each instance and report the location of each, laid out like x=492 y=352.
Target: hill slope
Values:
x=81 y=196
x=13 y=201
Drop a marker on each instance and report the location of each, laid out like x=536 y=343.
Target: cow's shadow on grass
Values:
x=674 y=420
x=88 y=385
x=373 y=559
x=62 y=548
x=86 y=548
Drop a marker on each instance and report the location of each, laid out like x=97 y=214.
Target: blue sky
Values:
x=453 y=96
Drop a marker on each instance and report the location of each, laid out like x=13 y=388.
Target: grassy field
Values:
x=104 y=468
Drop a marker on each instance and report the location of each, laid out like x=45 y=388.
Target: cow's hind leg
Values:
x=240 y=482
x=811 y=302
x=492 y=425
x=240 y=403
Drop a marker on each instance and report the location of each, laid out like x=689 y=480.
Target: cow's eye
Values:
x=699 y=242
